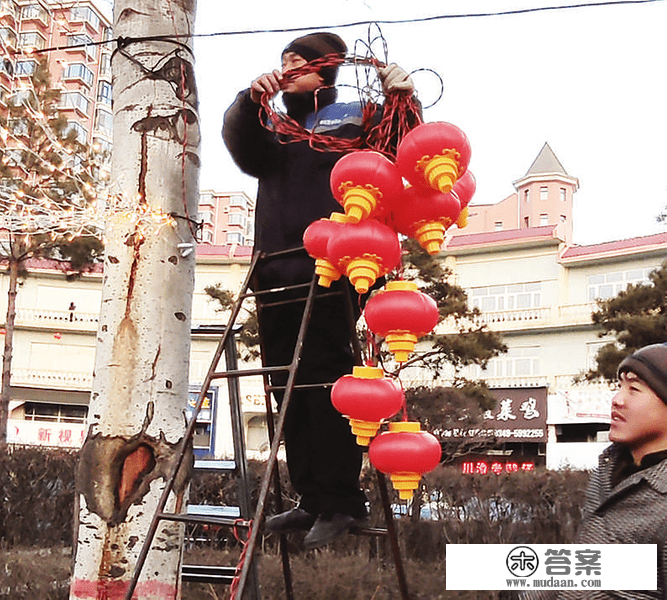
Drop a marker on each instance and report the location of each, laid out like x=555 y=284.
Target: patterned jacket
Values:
x=633 y=511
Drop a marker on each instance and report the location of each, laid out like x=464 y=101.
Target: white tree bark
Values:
x=137 y=407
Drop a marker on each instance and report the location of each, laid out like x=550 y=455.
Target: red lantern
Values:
x=315 y=240
x=401 y=314
x=464 y=188
x=366 y=398
x=365 y=183
x=364 y=251
x=434 y=155
x=425 y=214
x=405 y=453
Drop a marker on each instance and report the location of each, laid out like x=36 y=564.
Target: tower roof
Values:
x=546 y=162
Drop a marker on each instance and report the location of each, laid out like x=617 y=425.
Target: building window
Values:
x=526 y=195
x=563 y=218
x=498 y=226
x=7 y=37
x=18 y=127
x=6 y=66
x=25 y=67
x=75 y=100
x=31 y=40
x=9 y=6
x=84 y=42
x=236 y=219
x=104 y=91
x=238 y=200
x=526 y=222
x=563 y=194
x=79 y=71
x=105 y=65
x=87 y=14
x=55 y=413
x=234 y=238
x=544 y=193
x=516 y=362
x=205 y=217
x=102 y=146
x=104 y=122
x=544 y=219
x=80 y=131
x=608 y=285
x=34 y=11
x=517 y=296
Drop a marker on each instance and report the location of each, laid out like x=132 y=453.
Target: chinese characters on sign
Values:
x=65 y=435
x=485 y=467
x=520 y=415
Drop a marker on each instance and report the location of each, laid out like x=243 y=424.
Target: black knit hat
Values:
x=317 y=45
x=650 y=365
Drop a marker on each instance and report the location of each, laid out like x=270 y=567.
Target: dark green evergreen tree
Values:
x=636 y=317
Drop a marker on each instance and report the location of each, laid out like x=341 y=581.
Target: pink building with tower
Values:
x=544 y=196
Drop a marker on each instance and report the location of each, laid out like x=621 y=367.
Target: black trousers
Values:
x=323 y=457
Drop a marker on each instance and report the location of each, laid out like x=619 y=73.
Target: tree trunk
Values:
x=5 y=395
x=140 y=386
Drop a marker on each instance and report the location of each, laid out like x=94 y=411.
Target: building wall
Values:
x=55 y=343
x=83 y=74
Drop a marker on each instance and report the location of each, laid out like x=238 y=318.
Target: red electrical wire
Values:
x=400 y=113
x=233 y=588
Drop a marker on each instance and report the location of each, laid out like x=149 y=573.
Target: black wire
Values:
x=518 y=11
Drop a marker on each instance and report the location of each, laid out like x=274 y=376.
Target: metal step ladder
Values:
x=245 y=578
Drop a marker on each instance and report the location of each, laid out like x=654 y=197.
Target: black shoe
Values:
x=296 y=519
x=328 y=528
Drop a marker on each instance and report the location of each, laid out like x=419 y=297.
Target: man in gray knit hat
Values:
x=626 y=500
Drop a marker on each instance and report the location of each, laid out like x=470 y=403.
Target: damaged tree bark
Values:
x=137 y=407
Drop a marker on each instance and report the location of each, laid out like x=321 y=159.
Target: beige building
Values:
x=54 y=352
x=531 y=284
x=518 y=265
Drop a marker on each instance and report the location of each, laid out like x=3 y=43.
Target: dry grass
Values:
x=318 y=575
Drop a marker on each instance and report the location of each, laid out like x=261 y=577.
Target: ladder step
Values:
x=205 y=465
x=208 y=510
x=208 y=574
x=378 y=531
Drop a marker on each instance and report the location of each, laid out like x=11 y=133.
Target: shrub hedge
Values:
x=37 y=493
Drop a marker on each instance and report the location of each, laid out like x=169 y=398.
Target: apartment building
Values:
x=226 y=218
x=69 y=34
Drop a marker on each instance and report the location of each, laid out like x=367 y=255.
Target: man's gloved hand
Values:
x=395 y=79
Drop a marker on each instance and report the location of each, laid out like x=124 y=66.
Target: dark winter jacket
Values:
x=633 y=511
x=293 y=178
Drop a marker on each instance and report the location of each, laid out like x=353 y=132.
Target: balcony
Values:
x=57 y=319
x=45 y=379
x=567 y=315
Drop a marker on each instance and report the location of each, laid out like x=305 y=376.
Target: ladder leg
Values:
x=273 y=456
x=187 y=439
x=277 y=487
x=240 y=457
x=393 y=537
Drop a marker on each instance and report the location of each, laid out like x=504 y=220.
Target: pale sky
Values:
x=589 y=81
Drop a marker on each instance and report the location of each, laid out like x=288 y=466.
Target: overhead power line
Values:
x=518 y=11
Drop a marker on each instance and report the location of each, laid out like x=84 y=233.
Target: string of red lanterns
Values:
x=420 y=195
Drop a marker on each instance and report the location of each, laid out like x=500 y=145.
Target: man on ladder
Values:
x=323 y=458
